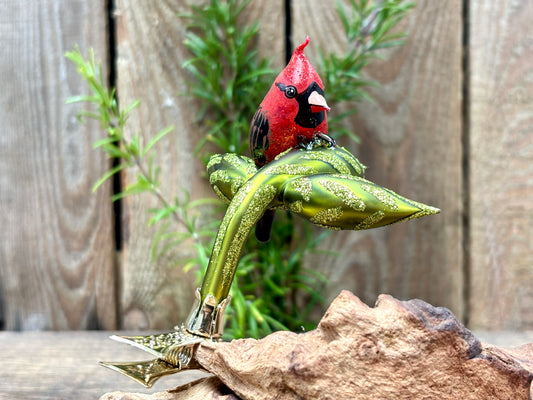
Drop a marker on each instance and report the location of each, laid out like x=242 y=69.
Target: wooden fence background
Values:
x=451 y=126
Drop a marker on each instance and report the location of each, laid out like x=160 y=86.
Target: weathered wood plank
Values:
x=56 y=242
x=411 y=143
x=64 y=365
x=501 y=163
x=156 y=293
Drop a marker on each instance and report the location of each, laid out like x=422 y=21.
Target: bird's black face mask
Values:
x=305 y=116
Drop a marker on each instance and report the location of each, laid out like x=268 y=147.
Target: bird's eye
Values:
x=290 y=92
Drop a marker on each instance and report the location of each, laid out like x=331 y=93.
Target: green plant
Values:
x=128 y=152
x=368 y=26
x=132 y=153
x=228 y=74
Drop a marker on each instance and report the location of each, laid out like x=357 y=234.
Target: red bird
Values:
x=292 y=113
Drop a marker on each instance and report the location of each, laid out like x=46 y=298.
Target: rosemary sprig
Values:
x=369 y=27
x=129 y=153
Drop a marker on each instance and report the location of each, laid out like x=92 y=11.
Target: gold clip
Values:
x=144 y=372
x=174 y=352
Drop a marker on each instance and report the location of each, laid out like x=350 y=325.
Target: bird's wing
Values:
x=259 y=137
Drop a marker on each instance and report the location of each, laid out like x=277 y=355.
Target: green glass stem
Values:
x=244 y=211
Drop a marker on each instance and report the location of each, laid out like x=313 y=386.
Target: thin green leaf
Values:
x=105 y=141
x=157 y=138
x=82 y=98
x=108 y=175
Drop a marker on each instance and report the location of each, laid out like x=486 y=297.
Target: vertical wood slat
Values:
x=501 y=163
x=157 y=293
x=56 y=242
x=411 y=143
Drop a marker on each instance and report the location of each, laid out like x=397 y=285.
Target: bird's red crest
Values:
x=299 y=70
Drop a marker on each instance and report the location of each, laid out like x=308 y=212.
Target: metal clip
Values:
x=174 y=350
x=207 y=317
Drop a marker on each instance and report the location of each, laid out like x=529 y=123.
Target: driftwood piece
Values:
x=396 y=350
x=210 y=388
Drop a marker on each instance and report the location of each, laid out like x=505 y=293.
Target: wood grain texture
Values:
x=501 y=163
x=411 y=143
x=150 y=35
x=64 y=365
x=56 y=242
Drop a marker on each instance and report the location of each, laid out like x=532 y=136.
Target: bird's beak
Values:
x=317 y=102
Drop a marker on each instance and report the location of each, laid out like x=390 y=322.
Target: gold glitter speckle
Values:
x=282 y=154
x=290 y=169
x=216 y=159
x=324 y=217
x=255 y=208
x=296 y=206
x=236 y=184
x=219 y=176
x=344 y=193
x=382 y=195
x=354 y=162
x=241 y=163
x=371 y=220
x=331 y=158
x=303 y=186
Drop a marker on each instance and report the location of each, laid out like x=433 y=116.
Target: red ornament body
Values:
x=292 y=113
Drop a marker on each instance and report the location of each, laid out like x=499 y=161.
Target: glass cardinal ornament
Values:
x=292 y=113
x=296 y=167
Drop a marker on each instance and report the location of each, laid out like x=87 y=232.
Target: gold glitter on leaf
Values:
x=356 y=165
x=290 y=169
x=303 y=186
x=216 y=159
x=344 y=193
x=282 y=154
x=249 y=216
x=371 y=220
x=241 y=163
x=324 y=217
x=331 y=228
x=219 y=176
x=331 y=158
x=382 y=195
x=236 y=184
x=296 y=206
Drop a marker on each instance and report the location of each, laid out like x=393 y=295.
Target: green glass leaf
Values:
x=324 y=185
